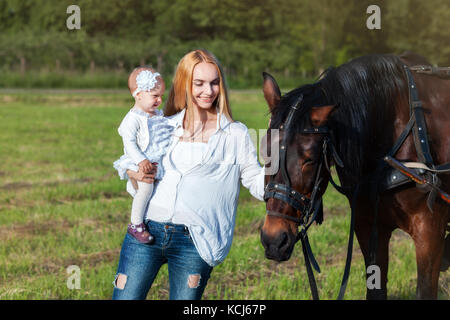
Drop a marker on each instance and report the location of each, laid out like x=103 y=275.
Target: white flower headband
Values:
x=146 y=81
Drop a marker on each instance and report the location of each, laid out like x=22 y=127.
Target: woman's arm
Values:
x=252 y=174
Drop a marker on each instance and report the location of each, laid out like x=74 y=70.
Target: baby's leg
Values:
x=134 y=183
x=143 y=194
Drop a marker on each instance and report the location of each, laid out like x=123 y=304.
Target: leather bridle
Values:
x=309 y=207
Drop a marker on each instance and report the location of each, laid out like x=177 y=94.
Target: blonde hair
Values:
x=132 y=85
x=180 y=95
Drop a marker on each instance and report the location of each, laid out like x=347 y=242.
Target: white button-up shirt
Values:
x=205 y=197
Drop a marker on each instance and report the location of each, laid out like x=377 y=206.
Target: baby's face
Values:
x=149 y=101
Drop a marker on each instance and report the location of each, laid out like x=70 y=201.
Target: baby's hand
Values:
x=145 y=166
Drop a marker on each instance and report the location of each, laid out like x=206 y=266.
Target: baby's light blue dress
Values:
x=160 y=136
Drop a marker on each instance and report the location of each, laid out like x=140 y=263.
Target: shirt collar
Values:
x=178 y=122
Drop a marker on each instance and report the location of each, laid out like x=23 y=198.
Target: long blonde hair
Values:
x=180 y=95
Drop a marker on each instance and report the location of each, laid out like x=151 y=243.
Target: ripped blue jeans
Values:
x=139 y=264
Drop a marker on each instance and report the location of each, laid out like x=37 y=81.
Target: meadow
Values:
x=62 y=204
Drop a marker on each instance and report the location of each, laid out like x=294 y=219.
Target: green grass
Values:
x=62 y=204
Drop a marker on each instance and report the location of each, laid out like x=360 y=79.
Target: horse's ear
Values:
x=271 y=91
x=320 y=115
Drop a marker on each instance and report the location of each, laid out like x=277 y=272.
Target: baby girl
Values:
x=146 y=135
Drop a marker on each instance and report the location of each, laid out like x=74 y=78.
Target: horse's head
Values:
x=296 y=146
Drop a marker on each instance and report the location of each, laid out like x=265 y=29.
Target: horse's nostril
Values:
x=284 y=239
x=264 y=239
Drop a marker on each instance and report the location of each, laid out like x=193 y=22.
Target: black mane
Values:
x=365 y=91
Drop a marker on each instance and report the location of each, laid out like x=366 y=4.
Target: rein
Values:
x=310 y=207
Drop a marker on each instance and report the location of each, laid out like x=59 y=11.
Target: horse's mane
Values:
x=365 y=91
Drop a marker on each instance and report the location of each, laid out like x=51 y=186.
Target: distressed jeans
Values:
x=139 y=264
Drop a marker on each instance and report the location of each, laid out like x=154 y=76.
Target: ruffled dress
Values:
x=160 y=136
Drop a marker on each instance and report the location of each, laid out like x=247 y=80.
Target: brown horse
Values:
x=364 y=107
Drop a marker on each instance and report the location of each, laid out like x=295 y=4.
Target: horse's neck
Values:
x=364 y=149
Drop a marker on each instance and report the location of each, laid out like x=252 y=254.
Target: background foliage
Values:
x=292 y=39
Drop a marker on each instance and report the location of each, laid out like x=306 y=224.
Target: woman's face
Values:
x=205 y=85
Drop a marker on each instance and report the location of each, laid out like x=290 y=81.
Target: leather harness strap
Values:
x=418 y=165
x=418 y=127
x=442 y=72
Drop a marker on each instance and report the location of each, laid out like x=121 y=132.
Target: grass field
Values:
x=62 y=204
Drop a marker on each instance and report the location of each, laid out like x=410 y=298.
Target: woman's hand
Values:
x=142 y=176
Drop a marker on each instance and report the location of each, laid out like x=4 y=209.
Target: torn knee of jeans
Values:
x=120 y=280
x=194 y=281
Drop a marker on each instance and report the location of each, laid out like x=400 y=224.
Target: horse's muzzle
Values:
x=279 y=247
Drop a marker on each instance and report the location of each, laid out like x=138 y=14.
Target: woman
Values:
x=193 y=208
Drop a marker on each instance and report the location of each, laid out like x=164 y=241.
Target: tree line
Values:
x=289 y=38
